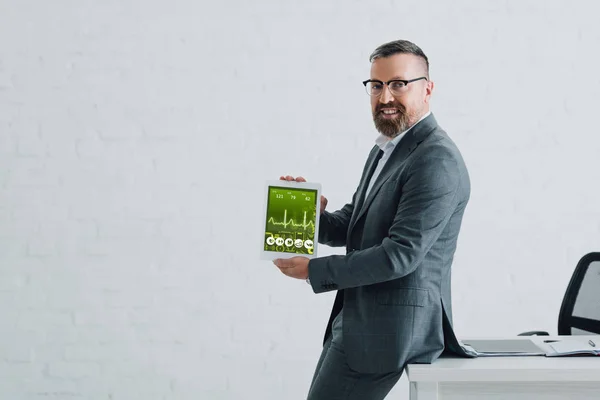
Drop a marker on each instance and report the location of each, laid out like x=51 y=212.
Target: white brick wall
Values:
x=135 y=138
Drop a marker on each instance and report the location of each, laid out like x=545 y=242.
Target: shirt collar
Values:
x=385 y=142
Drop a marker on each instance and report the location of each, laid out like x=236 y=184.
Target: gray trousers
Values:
x=335 y=380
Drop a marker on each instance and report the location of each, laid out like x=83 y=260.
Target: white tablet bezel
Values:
x=272 y=255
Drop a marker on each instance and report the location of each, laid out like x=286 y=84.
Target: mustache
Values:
x=399 y=106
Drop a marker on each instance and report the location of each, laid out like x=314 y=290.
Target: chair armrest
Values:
x=534 y=333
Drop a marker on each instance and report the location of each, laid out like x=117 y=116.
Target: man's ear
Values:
x=429 y=90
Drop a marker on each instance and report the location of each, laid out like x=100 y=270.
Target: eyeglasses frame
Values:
x=405 y=81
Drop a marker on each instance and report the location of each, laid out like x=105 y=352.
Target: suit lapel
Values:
x=372 y=161
x=406 y=146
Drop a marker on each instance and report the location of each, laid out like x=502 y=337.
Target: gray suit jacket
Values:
x=394 y=281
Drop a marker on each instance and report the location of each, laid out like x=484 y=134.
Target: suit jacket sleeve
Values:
x=333 y=227
x=429 y=197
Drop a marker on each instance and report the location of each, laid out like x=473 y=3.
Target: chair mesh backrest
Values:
x=580 y=311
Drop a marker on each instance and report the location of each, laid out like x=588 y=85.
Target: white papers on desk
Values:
x=574 y=347
x=499 y=348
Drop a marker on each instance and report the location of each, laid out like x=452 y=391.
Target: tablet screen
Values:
x=291 y=217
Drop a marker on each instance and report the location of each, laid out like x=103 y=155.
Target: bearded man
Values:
x=393 y=304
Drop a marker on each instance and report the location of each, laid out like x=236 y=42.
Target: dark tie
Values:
x=374 y=167
x=368 y=177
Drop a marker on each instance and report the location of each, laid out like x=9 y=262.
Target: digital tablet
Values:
x=290 y=225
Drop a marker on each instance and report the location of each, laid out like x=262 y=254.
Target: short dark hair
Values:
x=399 y=47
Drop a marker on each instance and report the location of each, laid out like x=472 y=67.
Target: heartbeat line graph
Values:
x=291 y=222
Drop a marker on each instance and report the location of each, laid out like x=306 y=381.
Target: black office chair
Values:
x=580 y=309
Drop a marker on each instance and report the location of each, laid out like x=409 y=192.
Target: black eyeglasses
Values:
x=397 y=86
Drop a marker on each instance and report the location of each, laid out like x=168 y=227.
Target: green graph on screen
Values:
x=291 y=216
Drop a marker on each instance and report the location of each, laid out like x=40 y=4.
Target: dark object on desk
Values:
x=579 y=313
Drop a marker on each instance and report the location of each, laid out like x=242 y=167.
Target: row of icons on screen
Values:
x=289 y=242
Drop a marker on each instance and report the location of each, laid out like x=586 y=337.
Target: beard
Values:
x=392 y=127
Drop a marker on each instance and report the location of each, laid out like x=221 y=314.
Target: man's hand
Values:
x=295 y=267
x=301 y=179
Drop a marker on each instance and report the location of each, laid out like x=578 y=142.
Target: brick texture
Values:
x=136 y=136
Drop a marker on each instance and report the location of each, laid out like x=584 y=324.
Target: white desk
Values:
x=507 y=378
